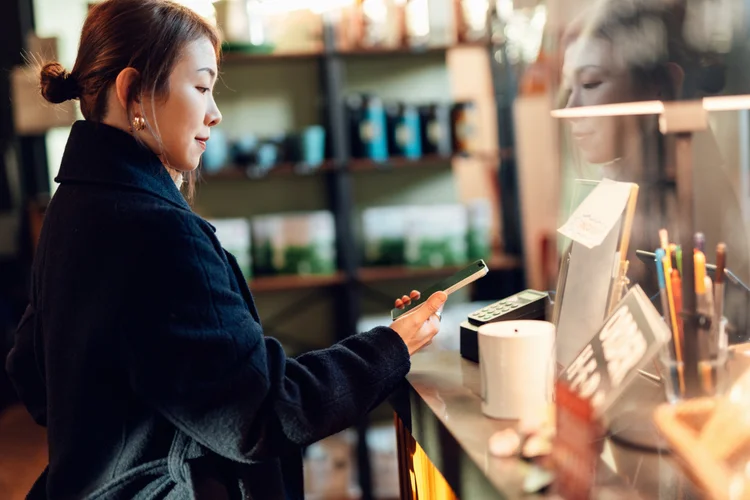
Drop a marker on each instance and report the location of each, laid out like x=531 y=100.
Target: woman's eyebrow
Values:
x=209 y=70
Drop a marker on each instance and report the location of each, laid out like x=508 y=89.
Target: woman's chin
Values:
x=188 y=165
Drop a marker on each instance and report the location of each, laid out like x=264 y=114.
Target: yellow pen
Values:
x=703 y=306
x=700 y=273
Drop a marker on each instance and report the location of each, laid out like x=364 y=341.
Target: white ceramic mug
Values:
x=516 y=364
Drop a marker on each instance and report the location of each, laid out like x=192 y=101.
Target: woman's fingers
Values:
x=403 y=301
x=406 y=299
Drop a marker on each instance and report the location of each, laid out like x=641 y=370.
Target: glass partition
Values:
x=612 y=65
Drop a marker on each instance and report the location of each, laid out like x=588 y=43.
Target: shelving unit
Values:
x=293 y=282
x=373 y=274
x=350 y=286
x=237 y=173
x=386 y=273
x=363 y=165
x=239 y=57
x=386 y=51
x=429 y=161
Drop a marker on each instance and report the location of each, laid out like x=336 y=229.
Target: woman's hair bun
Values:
x=58 y=85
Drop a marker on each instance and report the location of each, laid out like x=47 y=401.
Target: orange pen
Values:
x=677 y=297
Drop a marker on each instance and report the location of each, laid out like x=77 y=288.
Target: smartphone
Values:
x=467 y=275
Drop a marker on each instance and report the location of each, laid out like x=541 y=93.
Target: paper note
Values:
x=596 y=216
x=585 y=293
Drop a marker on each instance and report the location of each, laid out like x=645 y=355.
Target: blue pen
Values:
x=660 y=254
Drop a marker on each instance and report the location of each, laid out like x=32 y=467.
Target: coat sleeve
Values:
x=23 y=369
x=203 y=361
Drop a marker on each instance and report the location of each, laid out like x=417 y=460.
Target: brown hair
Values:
x=147 y=35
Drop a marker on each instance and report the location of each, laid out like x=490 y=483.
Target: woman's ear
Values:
x=125 y=84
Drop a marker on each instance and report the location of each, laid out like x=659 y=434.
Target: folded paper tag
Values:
x=597 y=214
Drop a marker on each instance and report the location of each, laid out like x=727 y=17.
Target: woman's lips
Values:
x=202 y=143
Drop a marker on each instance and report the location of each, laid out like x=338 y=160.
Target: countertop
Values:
x=440 y=404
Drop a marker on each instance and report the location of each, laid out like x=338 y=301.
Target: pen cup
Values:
x=713 y=371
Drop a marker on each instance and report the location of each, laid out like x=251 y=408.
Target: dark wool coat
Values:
x=142 y=352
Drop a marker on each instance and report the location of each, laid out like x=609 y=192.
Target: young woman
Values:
x=141 y=350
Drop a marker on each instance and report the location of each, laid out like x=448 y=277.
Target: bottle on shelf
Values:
x=472 y=19
x=436 y=129
x=374 y=29
x=464 y=120
x=216 y=156
x=367 y=127
x=403 y=126
x=417 y=19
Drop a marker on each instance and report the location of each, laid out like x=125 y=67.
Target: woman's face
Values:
x=185 y=117
x=593 y=75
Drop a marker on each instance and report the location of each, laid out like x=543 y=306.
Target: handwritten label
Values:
x=597 y=214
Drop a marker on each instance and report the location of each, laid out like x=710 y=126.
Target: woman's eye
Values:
x=591 y=85
x=203 y=90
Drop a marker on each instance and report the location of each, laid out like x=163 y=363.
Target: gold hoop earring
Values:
x=139 y=123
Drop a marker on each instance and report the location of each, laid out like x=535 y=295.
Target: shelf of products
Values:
x=497 y=262
x=356 y=165
x=238 y=57
x=234 y=172
x=294 y=282
x=359 y=165
x=407 y=51
x=432 y=161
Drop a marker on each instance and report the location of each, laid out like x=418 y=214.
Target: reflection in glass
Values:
x=649 y=51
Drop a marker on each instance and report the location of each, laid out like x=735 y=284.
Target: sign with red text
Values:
x=575 y=453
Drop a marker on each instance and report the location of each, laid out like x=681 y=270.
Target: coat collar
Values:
x=100 y=154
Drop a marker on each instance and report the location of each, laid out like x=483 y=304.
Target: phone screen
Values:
x=449 y=285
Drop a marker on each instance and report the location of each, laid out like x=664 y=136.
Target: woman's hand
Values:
x=417 y=328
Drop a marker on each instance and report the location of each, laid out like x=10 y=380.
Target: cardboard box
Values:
x=300 y=243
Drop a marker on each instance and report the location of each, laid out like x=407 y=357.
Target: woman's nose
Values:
x=214 y=115
x=573 y=99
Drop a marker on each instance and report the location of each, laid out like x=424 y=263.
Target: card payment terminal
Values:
x=529 y=304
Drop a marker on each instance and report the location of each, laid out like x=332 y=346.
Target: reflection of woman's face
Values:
x=594 y=75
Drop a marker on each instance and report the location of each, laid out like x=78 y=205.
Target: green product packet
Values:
x=478 y=244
